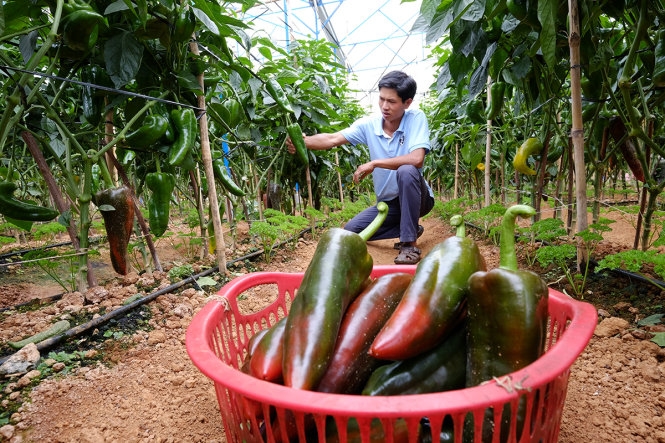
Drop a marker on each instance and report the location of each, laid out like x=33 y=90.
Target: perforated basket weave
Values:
x=254 y=410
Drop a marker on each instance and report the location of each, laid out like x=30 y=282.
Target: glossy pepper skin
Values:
x=507 y=309
x=20 y=210
x=528 y=148
x=183 y=25
x=507 y=319
x=277 y=93
x=317 y=310
x=497 y=90
x=434 y=301
x=81 y=26
x=618 y=132
x=92 y=103
x=295 y=134
x=161 y=185
x=351 y=364
x=440 y=369
x=117 y=208
x=267 y=356
x=475 y=111
x=222 y=174
x=154 y=127
x=185 y=125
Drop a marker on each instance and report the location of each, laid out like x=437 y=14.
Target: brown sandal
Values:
x=408 y=255
x=398 y=245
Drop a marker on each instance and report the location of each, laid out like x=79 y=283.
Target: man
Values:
x=398 y=140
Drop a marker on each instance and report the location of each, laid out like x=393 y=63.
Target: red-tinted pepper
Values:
x=117 y=208
x=267 y=356
x=627 y=147
x=442 y=368
x=316 y=313
x=434 y=301
x=351 y=364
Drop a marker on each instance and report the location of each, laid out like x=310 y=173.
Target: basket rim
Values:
x=556 y=361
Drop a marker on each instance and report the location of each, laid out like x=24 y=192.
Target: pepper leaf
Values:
x=122 y=55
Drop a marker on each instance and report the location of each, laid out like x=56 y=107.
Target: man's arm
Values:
x=319 y=142
x=415 y=158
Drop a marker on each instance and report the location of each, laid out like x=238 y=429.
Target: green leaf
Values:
x=206 y=281
x=651 y=320
x=547 y=17
x=659 y=339
x=122 y=55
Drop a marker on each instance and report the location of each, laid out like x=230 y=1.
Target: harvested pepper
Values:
x=161 y=185
x=295 y=134
x=507 y=320
x=185 y=125
x=267 y=355
x=117 y=208
x=316 y=312
x=20 y=210
x=154 y=127
x=434 y=302
x=440 y=369
x=351 y=364
x=530 y=147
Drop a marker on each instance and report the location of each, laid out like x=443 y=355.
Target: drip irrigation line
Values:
x=40 y=301
x=80 y=329
x=55 y=245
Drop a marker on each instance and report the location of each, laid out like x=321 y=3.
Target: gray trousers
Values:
x=404 y=211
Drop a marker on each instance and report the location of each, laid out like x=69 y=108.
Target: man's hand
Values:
x=363 y=171
x=289 y=144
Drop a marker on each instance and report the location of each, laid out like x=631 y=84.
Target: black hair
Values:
x=401 y=82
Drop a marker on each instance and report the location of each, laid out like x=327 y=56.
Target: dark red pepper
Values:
x=117 y=208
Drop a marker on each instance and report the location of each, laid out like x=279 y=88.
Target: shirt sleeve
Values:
x=358 y=132
x=418 y=131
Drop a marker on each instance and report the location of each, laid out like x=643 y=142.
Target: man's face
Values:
x=391 y=105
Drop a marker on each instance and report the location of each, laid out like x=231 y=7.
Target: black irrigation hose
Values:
x=79 y=329
x=43 y=248
x=34 y=301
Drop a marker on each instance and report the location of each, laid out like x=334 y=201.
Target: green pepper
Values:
x=91 y=102
x=81 y=28
x=658 y=76
x=440 y=369
x=529 y=147
x=185 y=125
x=222 y=174
x=475 y=111
x=295 y=134
x=497 y=91
x=507 y=318
x=351 y=364
x=316 y=313
x=436 y=297
x=266 y=360
x=161 y=185
x=117 y=208
x=20 y=210
x=154 y=127
x=183 y=25
x=277 y=93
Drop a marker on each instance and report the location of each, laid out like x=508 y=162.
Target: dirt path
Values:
x=151 y=392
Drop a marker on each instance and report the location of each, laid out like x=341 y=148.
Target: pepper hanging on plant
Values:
x=277 y=93
x=161 y=185
x=154 y=127
x=530 y=147
x=497 y=91
x=222 y=174
x=316 y=313
x=185 y=125
x=81 y=25
x=475 y=111
x=117 y=208
x=20 y=210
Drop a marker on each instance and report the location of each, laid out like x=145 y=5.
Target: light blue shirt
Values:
x=413 y=133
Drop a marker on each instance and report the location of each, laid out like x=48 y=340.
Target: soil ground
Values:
x=144 y=388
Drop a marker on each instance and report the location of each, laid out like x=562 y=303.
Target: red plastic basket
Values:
x=254 y=410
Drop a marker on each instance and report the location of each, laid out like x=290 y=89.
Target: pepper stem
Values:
x=457 y=221
x=507 y=254
x=371 y=229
